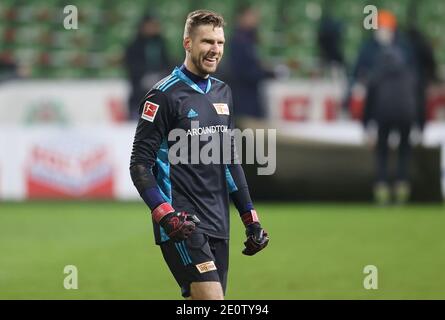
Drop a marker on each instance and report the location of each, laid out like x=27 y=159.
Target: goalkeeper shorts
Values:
x=199 y=258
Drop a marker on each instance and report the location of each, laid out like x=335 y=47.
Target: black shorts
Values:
x=199 y=258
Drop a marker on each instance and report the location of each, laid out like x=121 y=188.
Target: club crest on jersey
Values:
x=150 y=110
x=221 y=108
x=206 y=267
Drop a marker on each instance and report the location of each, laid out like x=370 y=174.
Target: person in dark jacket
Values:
x=330 y=38
x=426 y=66
x=246 y=70
x=146 y=61
x=386 y=67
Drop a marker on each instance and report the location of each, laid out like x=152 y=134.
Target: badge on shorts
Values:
x=221 y=108
x=150 y=110
x=206 y=266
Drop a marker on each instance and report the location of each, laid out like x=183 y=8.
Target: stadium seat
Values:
x=287 y=31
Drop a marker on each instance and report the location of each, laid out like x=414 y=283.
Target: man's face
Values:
x=151 y=28
x=250 y=19
x=384 y=36
x=205 y=49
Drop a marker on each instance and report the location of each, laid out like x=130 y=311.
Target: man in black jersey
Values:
x=189 y=200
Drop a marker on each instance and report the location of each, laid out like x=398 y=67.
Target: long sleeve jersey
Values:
x=174 y=107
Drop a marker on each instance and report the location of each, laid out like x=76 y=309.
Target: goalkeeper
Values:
x=189 y=203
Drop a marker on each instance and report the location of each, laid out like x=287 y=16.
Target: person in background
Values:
x=426 y=66
x=330 y=40
x=10 y=69
x=386 y=67
x=146 y=61
x=246 y=70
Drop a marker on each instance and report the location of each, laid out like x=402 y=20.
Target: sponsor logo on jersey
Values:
x=150 y=110
x=206 y=266
x=198 y=131
x=221 y=108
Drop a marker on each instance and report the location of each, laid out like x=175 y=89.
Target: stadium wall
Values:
x=68 y=139
x=314 y=171
x=85 y=162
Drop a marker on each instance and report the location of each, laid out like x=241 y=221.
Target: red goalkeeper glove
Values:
x=257 y=237
x=177 y=225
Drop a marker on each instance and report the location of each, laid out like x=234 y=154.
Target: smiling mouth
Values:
x=211 y=60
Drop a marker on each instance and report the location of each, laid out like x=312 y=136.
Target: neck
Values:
x=200 y=82
x=191 y=67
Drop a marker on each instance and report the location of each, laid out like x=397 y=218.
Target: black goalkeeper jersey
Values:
x=176 y=102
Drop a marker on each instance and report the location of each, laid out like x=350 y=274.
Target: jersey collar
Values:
x=177 y=72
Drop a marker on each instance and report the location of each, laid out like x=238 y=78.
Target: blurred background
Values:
x=360 y=120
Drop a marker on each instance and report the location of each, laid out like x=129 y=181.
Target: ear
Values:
x=187 y=44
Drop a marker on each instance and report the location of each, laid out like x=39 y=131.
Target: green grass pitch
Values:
x=317 y=251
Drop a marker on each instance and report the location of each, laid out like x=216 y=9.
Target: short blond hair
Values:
x=202 y=17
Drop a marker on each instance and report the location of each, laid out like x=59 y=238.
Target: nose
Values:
x=214 y=48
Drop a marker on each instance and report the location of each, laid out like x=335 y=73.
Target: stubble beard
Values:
x=197 y=62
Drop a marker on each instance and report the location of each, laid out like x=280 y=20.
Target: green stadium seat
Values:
x=288 y=28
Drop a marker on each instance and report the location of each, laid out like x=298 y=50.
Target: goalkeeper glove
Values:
x=177 y=225
x=257 y=237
